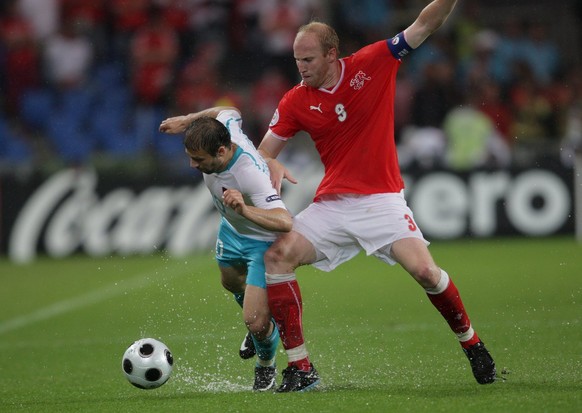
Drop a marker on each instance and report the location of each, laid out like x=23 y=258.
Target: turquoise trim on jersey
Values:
x=259 y=166
x=233 y=249
x=240 y=133
x=236 y=155
x=232 y=120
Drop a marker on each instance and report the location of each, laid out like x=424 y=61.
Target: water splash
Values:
x=188 y=379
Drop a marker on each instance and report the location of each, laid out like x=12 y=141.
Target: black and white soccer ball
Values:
x=147 y=363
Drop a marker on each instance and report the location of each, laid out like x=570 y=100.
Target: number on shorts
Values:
x=411 y=223
x=219 y=248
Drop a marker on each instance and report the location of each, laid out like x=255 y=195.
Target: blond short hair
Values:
x=327 y=36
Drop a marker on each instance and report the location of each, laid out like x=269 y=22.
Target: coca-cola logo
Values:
x=66 y=215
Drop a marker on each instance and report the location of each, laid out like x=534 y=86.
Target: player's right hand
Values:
x=234 y=199
x=177 y=124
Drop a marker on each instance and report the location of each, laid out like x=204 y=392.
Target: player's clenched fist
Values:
x=234 y=199
x=177 y=124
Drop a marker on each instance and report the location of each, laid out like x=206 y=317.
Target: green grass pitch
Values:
x=374 y=337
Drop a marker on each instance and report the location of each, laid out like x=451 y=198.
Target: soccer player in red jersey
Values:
x=347 y=107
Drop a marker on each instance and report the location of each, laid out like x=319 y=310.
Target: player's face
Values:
x=314 y=67
x=205 y=163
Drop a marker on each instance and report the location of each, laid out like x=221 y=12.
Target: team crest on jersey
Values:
x=358 y=81
x=272 y=198
x=275 y=118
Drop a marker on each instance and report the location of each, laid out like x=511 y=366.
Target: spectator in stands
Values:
x=363 y=20
x=561 y=95
x=422 y=142
x=154 y=52
x=508 y=52
x=465 y=28
x=68 y=57
x=477 y=67
x=245 y=36
x=198 y=81
x=209 y=21
x=438 y=47
x=421 y=148
x=541 y=53
x=176 y=15
x=571 y=141
x=90 y=19
x=209 y=32
x=437 y=94
x=279 y=21
x=265 y=96
x=491 y=102
x=42 y=15
x=533 y=117
x=20 y=70
x=403 y=99
x=472 y=139
x=127 y=17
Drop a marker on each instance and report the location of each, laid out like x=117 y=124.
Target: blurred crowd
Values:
x=89 y=81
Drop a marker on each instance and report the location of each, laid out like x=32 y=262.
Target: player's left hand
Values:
x=177 y=124
x=234 y=199
x=279 y=172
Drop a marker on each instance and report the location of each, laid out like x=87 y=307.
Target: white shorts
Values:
x=340 y=226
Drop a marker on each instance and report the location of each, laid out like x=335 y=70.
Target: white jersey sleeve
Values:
x=233 y=122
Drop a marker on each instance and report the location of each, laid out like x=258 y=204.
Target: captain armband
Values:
x=398 y=46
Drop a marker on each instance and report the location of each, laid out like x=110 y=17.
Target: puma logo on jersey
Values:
x=317 y=108
x=358 y=81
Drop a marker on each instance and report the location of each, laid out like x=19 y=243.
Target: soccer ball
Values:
x=147 y=363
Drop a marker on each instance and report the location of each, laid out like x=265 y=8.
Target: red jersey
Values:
x=352 y=124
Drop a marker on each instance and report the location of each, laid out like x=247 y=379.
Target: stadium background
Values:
x=488 y=114
x=84 y=177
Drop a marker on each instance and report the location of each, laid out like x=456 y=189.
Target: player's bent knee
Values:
x=275 y=254
x=234 y=286
x=258 y=326
x=426 y=275
x=284 y=255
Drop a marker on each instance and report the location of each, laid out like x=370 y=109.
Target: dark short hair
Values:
x=207 y=134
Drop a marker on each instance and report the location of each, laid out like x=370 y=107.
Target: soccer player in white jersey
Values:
x=252 y=217
x=346 y=105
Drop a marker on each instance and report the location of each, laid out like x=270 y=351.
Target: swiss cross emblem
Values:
x=358 y=81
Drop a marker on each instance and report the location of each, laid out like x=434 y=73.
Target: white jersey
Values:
x=248 y=173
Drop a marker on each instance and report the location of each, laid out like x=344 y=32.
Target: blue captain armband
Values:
x=398 y=46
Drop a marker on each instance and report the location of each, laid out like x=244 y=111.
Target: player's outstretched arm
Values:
x=269 y=148
x=276 y=219
x=428 y=21
x=178 y=124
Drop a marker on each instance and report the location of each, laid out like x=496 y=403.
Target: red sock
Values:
x=286 y=308
x=451 y=307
